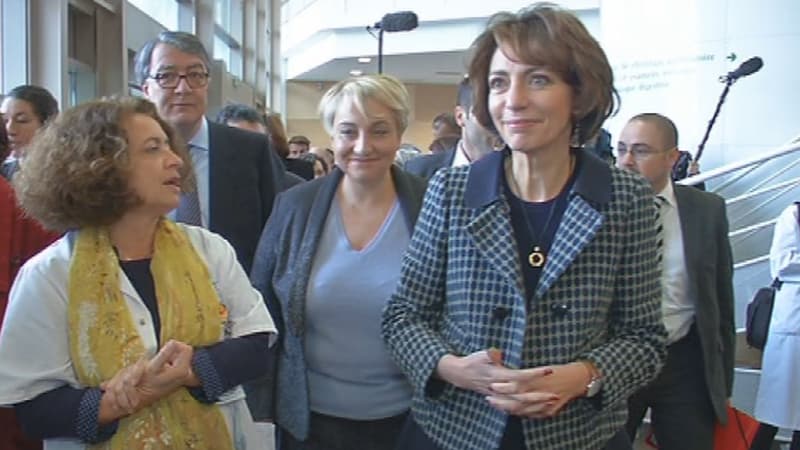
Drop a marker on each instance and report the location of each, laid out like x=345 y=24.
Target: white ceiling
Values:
x=432 y=68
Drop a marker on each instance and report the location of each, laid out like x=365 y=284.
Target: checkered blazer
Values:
x=461 y=290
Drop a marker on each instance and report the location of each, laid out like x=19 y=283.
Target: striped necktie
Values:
x=189 y=207
x=660 y=202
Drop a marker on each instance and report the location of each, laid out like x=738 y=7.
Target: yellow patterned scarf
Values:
x=103 y=338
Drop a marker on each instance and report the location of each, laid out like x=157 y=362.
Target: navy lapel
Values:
x=312 y=231
x=578 y=226
x=490 y=224
x=450 y=156
x=493 y=236
x=582 y=218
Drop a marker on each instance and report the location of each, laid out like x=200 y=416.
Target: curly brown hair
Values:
x=75 y=172
x=546 y=35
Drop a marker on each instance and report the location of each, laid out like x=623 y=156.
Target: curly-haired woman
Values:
x=144 y=329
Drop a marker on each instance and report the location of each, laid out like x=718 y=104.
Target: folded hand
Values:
x=539 y=392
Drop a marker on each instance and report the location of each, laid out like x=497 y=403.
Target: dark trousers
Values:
x=766 y=435
x=681 y=412
x=413 y=438
x=336 y=433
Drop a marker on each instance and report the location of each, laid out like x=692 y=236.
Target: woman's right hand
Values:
x=474 y=372
x=144 y=383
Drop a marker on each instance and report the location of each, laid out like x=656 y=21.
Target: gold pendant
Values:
x=536 y=258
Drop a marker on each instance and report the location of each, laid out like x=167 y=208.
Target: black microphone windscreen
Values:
x=399 y=21
x=748 y=67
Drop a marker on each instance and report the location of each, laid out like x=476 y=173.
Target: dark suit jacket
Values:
x=427 y=165
x=461 y=290
x=709 y=265
x=681 y=168
x=301 y=168
x=244 y=177
x=281 y=272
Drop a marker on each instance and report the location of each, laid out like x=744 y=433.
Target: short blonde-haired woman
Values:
x=131 y=331
x=327 y=262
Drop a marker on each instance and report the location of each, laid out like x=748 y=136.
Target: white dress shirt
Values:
x=676 y=306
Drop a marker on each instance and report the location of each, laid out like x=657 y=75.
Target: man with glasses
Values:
x=692 y=390
x=237 y=173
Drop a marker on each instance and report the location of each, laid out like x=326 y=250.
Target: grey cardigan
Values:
x=281 y=270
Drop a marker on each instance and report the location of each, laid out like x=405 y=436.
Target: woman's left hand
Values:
x=538 y=394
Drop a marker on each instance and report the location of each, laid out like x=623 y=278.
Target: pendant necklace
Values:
x=537 y=256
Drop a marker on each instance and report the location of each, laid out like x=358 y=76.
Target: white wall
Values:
x=668 y=55
x=315 y=32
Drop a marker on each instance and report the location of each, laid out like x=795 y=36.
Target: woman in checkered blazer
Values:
x=528 y=304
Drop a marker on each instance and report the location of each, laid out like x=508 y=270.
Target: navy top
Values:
x=67 y=412
x=138 y=272
x=535 y=224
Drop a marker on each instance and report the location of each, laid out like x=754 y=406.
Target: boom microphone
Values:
x=399 y=21
x=748 y=67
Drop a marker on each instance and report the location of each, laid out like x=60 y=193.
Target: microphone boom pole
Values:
x=711 y=122
x=392 y=22
x=748 y=67
x=380 y=50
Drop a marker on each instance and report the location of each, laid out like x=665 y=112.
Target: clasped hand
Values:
x=145 y=382
x=535 y=392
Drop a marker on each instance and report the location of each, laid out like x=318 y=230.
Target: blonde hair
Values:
x=385 y=89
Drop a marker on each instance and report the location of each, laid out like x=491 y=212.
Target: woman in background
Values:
x=26 y=108
x=277 y=136
x=326 y=264
x=778 y=398
x=20 y=238
x=144 y=328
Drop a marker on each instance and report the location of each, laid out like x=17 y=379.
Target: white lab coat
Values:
x=778 y=400
x=34 y=343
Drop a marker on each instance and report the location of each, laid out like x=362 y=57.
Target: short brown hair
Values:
x=546 y=35
x=75 y=172
x=302 y=140
x=664 y=124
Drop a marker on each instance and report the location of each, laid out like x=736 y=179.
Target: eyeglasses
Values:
x=639 y=152
x=170 y=80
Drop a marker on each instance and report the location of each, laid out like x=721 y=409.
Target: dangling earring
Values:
x=575 y=138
